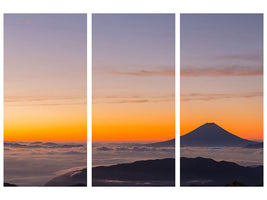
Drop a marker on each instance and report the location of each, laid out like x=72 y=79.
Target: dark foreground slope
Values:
x=9 y=185
x=207 y=172
x=212 y=135
x=160 y=172
x=74 y=178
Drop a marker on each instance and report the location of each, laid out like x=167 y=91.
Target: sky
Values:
x=222 y=72
x=45 y=77
x=133 y=76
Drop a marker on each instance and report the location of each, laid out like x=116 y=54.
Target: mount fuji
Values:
x=212 y=135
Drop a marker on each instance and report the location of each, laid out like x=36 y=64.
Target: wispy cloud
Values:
x=132 y=99
x=10 y=99
x=209 y=97
x=234 y=70
x=45 y=100
x=146 y=73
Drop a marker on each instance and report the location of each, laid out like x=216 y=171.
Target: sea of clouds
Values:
x=35 y=163
x=121 y=152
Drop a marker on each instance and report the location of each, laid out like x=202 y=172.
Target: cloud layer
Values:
x=133 y=149
x=239 y=155
x=132 y=99
x=115 y=153
x=46 y=145
x=146 y=73
x=209 y=97
x=234 y=70
x=35 y=163
x=44 y=100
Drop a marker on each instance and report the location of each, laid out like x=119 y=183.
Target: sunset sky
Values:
x=133 y=76
x=222 y=72
x=45 y=77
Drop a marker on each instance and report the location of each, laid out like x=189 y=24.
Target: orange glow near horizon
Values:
x=45 y=123
x=145 y=121
x=133 y=132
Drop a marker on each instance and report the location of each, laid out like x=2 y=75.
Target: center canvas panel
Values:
x=133 y=111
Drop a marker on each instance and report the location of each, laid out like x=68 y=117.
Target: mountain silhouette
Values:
x=159 y=172
x=168 y=143
x=207 y=172
x=210 y=134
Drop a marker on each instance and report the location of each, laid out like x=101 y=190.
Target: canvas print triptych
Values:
x=133 y=100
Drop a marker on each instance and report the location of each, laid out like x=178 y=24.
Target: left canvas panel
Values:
x=45 y=100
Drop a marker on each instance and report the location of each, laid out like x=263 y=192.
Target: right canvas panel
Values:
x=221 y=107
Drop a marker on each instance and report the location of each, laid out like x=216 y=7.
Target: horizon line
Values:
x=45 y=140
x=103 y=140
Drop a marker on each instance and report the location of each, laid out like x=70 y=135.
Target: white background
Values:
x=124 y=6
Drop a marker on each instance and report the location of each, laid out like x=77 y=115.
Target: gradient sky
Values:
x=133 y=76
x=222 y=72
x=45 y=76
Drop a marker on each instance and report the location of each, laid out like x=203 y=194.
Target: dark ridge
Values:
x=235 y=183
x=80 y=184
x=207 y=172
x=160 y=172
x=9 y=185
x=210 y=134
